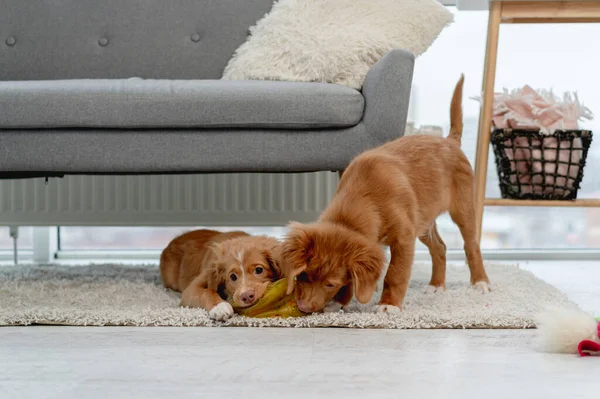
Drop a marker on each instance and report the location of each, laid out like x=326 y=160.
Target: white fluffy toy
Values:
x=568 y=331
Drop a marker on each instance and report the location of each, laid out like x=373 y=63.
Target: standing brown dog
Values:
x=390 y=195
x=211 y=268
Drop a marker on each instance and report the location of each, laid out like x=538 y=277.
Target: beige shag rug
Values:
x=111 y=294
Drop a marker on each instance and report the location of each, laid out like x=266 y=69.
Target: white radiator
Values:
x=168 y=200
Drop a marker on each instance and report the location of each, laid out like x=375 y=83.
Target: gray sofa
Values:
x=132 y=86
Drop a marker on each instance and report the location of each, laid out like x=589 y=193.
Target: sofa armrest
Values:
x=387 y=93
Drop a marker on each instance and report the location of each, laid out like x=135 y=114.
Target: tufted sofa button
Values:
x=103 y=41
x=195 y=38
x=11 y=41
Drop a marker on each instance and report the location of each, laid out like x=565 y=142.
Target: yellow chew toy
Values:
x=274 y=303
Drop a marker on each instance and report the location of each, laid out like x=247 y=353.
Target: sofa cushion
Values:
x=140 y=103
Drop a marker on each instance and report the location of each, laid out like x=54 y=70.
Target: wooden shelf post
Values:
x=518 y=11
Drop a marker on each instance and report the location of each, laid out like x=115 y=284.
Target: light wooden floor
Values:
x=86 y=363
x=119 y=362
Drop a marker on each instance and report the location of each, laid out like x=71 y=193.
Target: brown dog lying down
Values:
x=389 y=195
x=211 y=268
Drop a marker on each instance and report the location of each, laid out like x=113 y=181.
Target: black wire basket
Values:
x=532 y=165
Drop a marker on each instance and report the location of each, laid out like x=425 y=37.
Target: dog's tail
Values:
x=456 y=115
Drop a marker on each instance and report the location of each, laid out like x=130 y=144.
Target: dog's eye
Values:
x=233 y=277
x=258 y=270
x=302 y=277
x=330 y=285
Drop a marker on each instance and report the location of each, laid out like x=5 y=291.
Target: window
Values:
x=127 y=238
x=25 y=238
x=543 y=56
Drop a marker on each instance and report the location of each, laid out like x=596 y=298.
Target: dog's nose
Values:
x=247 y=297
x=304 y=307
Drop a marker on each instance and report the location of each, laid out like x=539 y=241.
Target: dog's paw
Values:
x=482 y=287
x=221 y=312
x=432 y=289
x=388 y=309
x=332 y=307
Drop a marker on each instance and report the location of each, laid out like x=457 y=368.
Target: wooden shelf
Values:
x=519 y=11
x=582 y=203
x=549 y=12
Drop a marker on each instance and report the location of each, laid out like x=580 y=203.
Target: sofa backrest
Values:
x=160 y=39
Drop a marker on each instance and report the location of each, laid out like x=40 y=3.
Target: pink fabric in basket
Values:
x=526 y=109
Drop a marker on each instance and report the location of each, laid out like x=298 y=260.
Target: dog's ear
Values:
x=365 y=268
x=212 y=278
x=297 y=250
x=214 y=272
x=217 y=249
x=273 y=258
x=273 y=262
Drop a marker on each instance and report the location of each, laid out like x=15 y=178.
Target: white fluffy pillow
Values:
x=334 y=41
